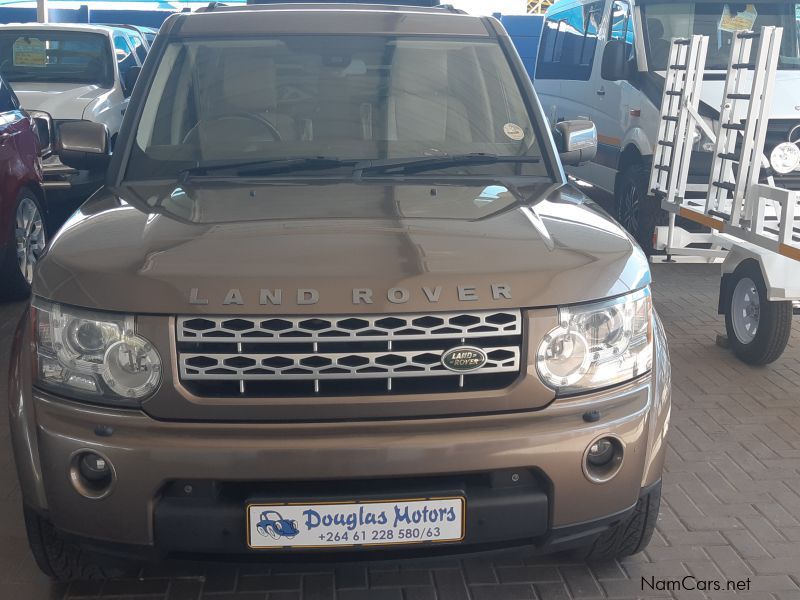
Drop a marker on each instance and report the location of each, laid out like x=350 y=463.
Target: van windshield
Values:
x=50 y=56
x=346 y=98
x=663 y=21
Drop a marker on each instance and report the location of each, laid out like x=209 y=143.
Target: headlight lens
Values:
x=785 y=158
x=598 y=345
x=93 y=356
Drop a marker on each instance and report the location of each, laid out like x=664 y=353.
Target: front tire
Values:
x=28 y=243
x=628 y=537
x=758 y=329
x=636 y=210
x=63 y=559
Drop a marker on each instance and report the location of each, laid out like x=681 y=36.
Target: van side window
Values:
x=125 y=56
x=569 y=40
x=622 y=26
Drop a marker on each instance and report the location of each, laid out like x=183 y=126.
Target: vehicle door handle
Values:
x=601 y=92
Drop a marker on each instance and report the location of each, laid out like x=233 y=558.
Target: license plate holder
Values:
x=327 y=524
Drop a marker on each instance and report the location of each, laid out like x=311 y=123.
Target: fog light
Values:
x=602 y=459
x=94 y=467
x=600 y=453
x=92 y=475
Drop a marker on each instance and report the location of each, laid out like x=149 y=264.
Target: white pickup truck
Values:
x=72 y=72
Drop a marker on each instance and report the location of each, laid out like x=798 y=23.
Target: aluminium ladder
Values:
x=750 y=221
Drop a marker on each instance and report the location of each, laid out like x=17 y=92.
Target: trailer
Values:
x=754 y=224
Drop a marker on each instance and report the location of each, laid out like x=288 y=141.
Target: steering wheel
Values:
x=275 y=135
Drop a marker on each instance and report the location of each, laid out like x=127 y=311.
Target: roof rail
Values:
x=420 y=3
x=211 y=6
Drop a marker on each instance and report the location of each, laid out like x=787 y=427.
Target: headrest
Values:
x=655 y=29
x=249 y=81
x=419 y=72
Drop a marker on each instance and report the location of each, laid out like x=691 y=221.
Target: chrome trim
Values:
x=258 y=348
x=376 y=328
x=321 y=366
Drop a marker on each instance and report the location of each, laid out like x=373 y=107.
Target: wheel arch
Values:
x=776 y=270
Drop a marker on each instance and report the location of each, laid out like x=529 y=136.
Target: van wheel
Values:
x=61 y=559
x=629 y=536
x=28 y=243
x=637 y=211
x=758 y=329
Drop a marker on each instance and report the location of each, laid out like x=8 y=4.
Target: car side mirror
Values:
x=43 y=124
x=83 y=145
x=614 y=66
x=129 y=79
x=576 y=141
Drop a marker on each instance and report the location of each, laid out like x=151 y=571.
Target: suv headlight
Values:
x=598 y=345
x=93 y=356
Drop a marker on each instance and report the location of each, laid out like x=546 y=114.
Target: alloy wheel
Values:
x=30 y=237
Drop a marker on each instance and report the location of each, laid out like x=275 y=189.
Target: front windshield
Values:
x=719 y=21
x=50 y=56
x=219 y=101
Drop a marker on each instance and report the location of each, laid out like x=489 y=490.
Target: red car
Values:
x=22 y=225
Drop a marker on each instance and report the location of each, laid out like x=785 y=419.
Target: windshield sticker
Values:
x=513 y=131
x=743 y=21
x=29 y=52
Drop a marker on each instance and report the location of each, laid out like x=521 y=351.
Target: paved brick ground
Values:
x=731 y=500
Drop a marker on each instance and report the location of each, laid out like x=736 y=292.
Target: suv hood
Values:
x=61 y=100
x=415 y=247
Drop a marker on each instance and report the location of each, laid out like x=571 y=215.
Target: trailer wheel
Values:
x=758 y=328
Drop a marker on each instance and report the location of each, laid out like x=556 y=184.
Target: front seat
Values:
x=420 y=107
x=659 y=47
x=245 y=93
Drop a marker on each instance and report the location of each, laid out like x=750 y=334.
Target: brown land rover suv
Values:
x=336 y=296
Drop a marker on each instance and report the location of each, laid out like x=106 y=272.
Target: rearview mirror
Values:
x=129 y=79
x=83 y=145
x=614 y=66
x=576 y=141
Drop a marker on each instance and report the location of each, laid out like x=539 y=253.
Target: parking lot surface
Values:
x=731 y=508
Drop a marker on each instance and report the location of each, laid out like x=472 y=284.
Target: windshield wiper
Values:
x=424 y=163
x=266 y=167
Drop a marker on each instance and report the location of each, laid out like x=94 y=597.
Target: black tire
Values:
x=65 y=560
x=636 y=210
x=629 y=536
x=774 y=321
x=16 y=286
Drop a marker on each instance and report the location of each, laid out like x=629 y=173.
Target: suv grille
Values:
x=330 y=356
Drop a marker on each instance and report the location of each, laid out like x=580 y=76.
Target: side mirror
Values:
x=83 y=145
x=129 y=79
x=43 y=124
x=615 y=61
x=576 y=141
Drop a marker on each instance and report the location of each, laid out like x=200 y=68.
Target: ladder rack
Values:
x=736 y=204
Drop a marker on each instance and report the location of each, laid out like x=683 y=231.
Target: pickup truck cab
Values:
x=72 y=72
x=336 y=294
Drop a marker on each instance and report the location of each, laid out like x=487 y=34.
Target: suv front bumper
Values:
x=228 y=463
